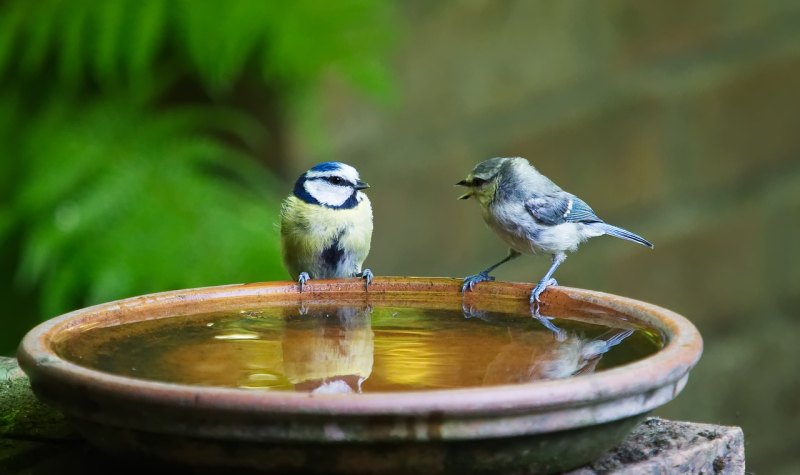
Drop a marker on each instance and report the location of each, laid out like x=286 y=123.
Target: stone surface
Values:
x=9 y=370
x=26 y=425
x=36 y=440
x=662 y=446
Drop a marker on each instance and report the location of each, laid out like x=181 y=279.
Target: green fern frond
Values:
x=107 y=26
x=144 y=36
x=12 y=17
x=37 y=33
x=291 y=43
x=129 y=143
x=117 y=198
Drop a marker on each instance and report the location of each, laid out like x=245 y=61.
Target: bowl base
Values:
x=542 y=453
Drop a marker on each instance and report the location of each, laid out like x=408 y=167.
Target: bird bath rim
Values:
x=519 y=409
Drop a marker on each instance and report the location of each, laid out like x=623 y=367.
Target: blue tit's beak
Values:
x=360 y=185
x=465 y=196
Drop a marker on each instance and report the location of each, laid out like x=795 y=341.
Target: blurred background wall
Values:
x=678 y=120
x=130 y=168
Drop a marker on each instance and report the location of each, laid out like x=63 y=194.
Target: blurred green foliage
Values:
x=136 y=142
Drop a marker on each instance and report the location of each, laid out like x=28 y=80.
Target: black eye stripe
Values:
x=337 y=180
x=334 y=180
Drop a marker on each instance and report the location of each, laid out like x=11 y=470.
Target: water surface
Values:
x=356 y=349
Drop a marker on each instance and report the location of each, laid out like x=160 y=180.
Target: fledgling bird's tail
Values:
x=623 y=234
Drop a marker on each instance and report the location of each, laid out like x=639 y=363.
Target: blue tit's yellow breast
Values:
x=308 y=230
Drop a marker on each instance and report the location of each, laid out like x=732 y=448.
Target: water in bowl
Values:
x=345 y=349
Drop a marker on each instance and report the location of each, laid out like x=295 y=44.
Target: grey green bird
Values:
x=533 y=216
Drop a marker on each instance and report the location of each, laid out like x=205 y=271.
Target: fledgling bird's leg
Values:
x=559 y=334
x=366 y=274
x=547 y=280
x=302 y=279
x=471 y=280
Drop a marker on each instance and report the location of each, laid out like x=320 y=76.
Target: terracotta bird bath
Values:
x=337 y=424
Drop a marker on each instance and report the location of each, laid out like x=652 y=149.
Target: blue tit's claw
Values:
x=367 y=275
x=472 y=280
x=302 y=279
x=471 y=312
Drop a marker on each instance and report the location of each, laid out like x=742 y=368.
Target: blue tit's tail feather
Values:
x=623 y=234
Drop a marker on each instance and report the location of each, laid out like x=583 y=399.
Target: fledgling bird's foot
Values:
x=537 y=292
x=366 y=274
x=471 y=281
x=302 y=279
x=559 y=333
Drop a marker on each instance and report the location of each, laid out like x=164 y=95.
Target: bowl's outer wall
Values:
x=553 y=452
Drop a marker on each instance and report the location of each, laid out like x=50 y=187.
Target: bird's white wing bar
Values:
x=560 y=208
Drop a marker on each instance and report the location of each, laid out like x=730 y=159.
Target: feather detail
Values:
x=325 y=242
x=559 y=208
x=623 y=234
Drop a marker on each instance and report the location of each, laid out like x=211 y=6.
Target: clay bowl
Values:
x=543 y=426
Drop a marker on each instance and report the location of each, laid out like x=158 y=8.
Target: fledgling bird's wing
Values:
x=559 y=208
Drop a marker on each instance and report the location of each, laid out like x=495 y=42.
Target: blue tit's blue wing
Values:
x=560 y=208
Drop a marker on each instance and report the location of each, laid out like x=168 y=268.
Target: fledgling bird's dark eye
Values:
x=478 y=181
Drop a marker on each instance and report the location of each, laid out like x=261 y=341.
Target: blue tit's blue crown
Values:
x=326 y=167
x=345 y=175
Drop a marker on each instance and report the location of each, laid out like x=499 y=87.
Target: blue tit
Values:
x=326 y=225
x=532 y=215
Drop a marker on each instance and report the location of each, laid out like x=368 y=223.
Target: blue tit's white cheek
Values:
x=327 y=193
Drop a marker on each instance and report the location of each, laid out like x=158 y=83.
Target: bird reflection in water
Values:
x=540 y=355
x=332 y=350
x=328 y=350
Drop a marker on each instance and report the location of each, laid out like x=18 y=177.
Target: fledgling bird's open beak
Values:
x=465 y=196
x=360 y=185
